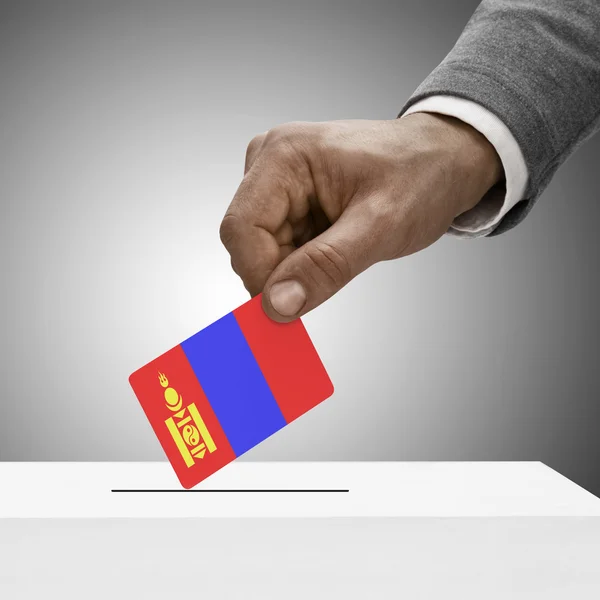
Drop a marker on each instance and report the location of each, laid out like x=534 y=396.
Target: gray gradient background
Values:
x=123 y=128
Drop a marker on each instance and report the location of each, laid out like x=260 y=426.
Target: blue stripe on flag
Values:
x=234 y=384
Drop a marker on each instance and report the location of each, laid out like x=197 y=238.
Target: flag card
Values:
x=229 y=387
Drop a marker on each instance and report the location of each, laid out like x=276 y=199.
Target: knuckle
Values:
x=288 y=135
x=329 y=261
x=274 y=135
x=228 y=229
x=284 y=147
x=283 y=131
x=253 y=147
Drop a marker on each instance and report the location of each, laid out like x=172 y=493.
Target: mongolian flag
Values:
x=227 y=388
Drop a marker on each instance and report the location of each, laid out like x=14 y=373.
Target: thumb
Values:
x=323 y=266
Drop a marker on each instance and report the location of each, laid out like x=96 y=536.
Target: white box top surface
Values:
x=292 y=489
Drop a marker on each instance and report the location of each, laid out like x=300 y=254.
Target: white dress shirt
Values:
x=481 y=220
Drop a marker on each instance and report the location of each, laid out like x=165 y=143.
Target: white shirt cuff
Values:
x=483 y=218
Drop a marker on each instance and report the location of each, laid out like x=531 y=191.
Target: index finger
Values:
x=254 y=229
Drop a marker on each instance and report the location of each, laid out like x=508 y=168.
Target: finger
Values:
x=254 y=251
x=323 y=266
x=254 y=229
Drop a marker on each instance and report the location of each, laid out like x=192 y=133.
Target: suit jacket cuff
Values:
x=485 y=217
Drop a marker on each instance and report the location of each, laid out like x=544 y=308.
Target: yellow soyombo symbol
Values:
x=189 y=431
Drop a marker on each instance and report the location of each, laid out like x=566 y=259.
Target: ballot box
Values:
x=297 y=530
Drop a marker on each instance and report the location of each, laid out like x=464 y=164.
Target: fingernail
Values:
x=287 y=297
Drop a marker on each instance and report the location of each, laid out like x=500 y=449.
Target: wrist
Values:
x=471 y=159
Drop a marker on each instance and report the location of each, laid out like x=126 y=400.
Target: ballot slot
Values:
x=225 y=491
x=238 y=490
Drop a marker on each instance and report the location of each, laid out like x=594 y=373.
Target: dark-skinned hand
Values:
x=322 y=202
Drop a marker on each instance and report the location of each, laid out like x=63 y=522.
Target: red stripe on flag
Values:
x=287 y=358
x=182 y=417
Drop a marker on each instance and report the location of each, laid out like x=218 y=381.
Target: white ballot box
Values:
x=297 y=530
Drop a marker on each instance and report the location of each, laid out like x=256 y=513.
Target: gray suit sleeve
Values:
x=536 y=65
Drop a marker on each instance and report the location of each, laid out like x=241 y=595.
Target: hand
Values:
x=322 y=202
